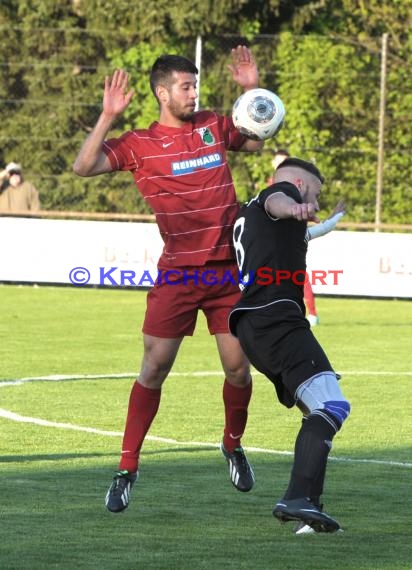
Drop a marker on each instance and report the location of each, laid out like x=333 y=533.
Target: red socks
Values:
x=143 y=406
x=236 y=402
x=309 y=298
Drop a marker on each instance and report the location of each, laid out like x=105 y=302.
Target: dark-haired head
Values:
x=164 y=67
x=303 y=164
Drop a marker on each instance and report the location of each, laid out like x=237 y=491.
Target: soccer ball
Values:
x=258 y=114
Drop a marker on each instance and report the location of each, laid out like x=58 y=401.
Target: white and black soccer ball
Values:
x=258 y=114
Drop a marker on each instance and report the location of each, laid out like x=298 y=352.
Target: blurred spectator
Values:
x=278 y=156
x=16 y=194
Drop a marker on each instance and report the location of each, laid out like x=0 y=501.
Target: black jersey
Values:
x=271 y=254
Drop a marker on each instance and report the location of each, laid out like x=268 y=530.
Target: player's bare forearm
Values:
x=251 y=145
x=279 y=205
x=91 y=159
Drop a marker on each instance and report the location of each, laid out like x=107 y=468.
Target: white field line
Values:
x=6 y=414
x=217 y=373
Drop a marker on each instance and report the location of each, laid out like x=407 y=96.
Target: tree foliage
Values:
x=323 y=57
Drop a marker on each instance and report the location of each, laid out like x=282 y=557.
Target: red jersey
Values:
x=184 y=176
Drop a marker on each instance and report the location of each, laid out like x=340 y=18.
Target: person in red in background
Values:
x=309 y=298
x=180 y=166
x=313 y=232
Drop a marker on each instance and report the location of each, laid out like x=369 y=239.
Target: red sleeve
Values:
x=120 y=152
x=233 y=138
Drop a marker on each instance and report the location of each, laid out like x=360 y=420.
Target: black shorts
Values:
x=279 y=343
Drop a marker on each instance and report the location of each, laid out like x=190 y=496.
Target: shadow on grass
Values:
x=66 y=456
x=50 y=457
x=185 y=514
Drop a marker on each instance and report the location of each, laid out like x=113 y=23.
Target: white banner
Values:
x=79 y=252
x=369 y=264
x=126 y=254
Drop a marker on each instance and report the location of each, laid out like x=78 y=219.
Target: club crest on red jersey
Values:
x=206 y=135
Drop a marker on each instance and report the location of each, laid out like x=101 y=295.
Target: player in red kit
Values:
x=179 y=165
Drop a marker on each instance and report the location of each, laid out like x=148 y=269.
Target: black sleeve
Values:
x=284 y=187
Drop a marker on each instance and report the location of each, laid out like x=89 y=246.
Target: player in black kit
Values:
x=270 y=238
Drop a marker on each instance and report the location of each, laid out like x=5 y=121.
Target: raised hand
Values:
x=340 y=207
x=117 y=96
x=244 y=69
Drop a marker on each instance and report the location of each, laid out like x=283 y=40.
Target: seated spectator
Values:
x=16 y=194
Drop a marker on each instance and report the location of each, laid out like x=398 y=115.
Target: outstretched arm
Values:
x=91 y=159
x=329 y=224
x=278 y=205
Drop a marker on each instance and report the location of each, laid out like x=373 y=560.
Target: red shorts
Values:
x=178 y=295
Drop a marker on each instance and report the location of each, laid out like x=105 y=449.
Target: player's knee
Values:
x=322 y=392
x=238 y=375
x=338 y=409
x=239 y=380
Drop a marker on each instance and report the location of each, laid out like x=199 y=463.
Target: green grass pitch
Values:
x=60 y=442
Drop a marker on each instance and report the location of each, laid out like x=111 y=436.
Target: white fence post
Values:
x=381 y=143
x=199 y=67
